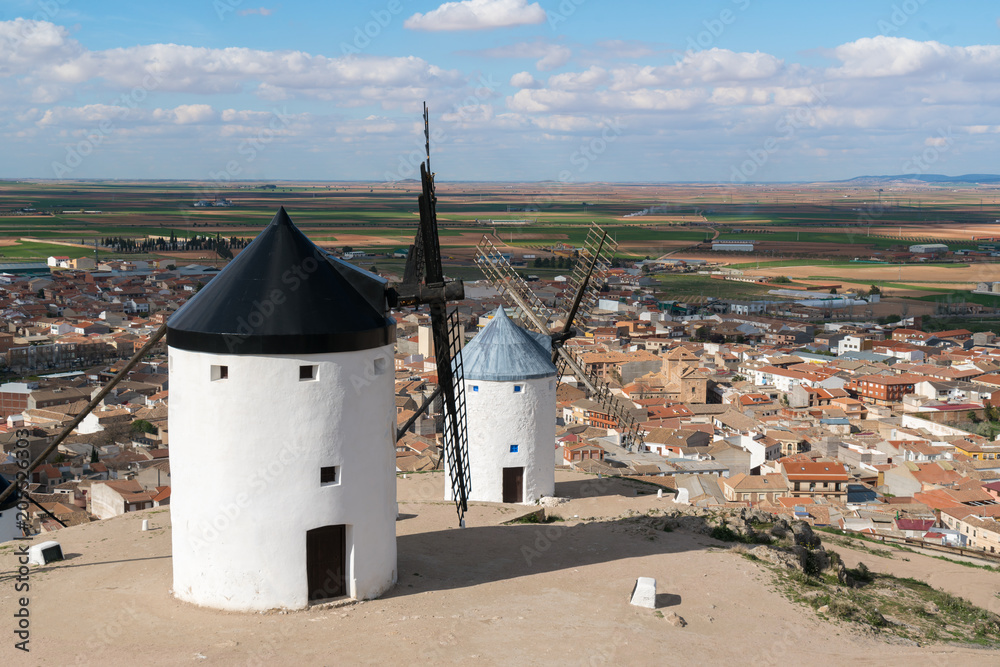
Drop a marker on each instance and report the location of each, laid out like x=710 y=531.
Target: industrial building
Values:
x=732 y=246
x=929 y=249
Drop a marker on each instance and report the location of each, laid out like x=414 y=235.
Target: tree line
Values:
x=219 y=244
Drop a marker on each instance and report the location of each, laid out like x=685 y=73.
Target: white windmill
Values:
x=282 y=419
x=281 y=447
x=510 y=402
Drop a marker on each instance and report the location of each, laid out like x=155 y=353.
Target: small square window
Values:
x=380 y=365
x=513 y=449
x=475 y=387
x=220 y=373
x=517 y=389
x=329 y=475
x=307 y=372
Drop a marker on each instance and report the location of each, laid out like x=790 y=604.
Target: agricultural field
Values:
x=818 y=232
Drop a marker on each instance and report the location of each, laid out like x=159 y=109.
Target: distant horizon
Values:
x=440 y=178
x=739 y=92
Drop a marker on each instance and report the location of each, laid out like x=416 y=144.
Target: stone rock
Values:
x=756 y=516
x=780 y=529
x=644 y=593
x=825 y=609
x=802 y=534
x=777 y=557
x=675 y=620
x=877 y=619
x=813 y=561
x=932 y=608
x=553 y=501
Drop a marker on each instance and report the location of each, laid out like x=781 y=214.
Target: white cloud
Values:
x=371 y=125
x=50 y=63
x=193 y=114
x=550 y=56
x=739 y=95
x=548 y=100
x=24 y=43
x=524 y=80
x=477 y=15
x=711 y=65
x=878 y=101
x=982 y=129
x=262 y=11
x=90 y=114
x=587 y=80
x=557 y=56
x=562 y=123
x=883 y=56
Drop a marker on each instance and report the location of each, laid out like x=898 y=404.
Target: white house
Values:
x=761 y=448
x=60 y=261
x=114 y=498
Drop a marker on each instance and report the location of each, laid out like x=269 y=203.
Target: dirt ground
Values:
x=549 y=594
x=933 y=276
x=644 y=219
x=905 y=232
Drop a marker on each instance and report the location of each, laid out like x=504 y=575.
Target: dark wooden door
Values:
x=326 y=555
x=513 y=485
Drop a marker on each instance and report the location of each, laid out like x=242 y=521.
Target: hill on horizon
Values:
x=926 y=178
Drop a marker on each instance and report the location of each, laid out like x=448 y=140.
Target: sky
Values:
x=730 y=91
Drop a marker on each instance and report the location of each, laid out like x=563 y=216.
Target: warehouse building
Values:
x=929 y=249
x=732 y=246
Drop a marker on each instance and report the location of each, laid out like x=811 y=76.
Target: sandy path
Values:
x=31 y=239
x=932 y=276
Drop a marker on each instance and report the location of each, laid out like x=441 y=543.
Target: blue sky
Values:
x=566 y=90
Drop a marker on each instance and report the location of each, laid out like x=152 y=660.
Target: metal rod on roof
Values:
x=90 y=406
x=427 y=138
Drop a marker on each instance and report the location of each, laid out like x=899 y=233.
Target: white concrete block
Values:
x=45 y=553
x=644 y=593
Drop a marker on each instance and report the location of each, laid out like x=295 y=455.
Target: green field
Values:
x=833 y=264
x=686 y=215
x=685 y=286
x=853 y=236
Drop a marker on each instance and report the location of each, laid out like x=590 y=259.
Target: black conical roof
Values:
x=282 y=295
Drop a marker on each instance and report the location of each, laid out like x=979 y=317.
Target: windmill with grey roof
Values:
x=510 y=390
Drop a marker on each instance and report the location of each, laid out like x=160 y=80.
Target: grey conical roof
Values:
x=504 y=352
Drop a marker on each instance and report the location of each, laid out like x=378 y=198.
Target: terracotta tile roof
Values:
x=815 y=470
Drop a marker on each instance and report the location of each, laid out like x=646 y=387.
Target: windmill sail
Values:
x=424 y=283
x=456 y=440
x=592 y=270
